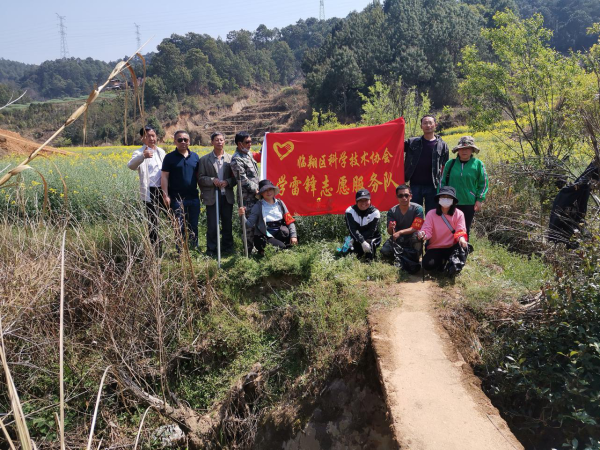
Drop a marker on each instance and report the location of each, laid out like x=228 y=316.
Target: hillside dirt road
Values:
x=433 y=398
x=12 y=143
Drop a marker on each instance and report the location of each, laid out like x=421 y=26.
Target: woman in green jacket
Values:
x=467 y=175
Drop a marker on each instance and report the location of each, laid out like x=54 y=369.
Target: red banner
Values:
x=319 y=172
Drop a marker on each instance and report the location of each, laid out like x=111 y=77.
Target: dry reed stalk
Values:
x=135 y=90
x=141 y=96
x=125 y=109
x=62 y=343
x=62 y=180
x=121 y=65
x=7 y=436
x=22 y=430
x=137 y=438
x=89 y=444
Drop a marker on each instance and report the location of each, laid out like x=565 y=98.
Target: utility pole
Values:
x=137 y=34
x=322 y=10
x=64 y=50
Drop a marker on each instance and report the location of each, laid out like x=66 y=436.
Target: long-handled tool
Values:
x=422 y=258
x=217 y=195
x=243 y=218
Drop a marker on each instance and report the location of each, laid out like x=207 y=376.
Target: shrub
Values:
x=544 y=371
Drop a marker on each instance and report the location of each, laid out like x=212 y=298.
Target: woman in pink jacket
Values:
x=445 y=231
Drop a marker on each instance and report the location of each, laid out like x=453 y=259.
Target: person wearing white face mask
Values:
x=445 y=231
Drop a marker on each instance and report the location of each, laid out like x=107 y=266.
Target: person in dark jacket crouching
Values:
x=272 y=222
x=362 y=220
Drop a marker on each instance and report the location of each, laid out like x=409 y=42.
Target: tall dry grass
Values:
x=114 y=307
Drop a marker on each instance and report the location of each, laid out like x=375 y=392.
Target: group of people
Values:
x=452 y=191
x=171 y=181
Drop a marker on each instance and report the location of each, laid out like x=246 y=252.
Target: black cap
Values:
x=363 y=193
x=447 y=190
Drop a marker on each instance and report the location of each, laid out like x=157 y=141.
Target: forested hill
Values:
x=418 y=40
x=568 y=19
x=12 y=71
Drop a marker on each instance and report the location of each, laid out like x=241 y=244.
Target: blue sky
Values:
x=106 y=30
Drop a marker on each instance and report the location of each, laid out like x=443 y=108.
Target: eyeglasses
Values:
x=403 y=195
x=182 y=140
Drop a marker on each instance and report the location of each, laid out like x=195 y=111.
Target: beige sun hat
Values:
x=466 y=142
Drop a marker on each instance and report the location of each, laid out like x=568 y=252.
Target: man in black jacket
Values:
x=424 y=160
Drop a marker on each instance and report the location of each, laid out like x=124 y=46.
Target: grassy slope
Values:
x=295 y=313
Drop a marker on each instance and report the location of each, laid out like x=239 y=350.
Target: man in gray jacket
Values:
x=215 y=178
x=245 y=170
x=147 y=160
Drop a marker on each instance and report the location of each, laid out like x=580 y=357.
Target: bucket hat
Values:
x=466 y=142
x=447 y=190
x=265 y=185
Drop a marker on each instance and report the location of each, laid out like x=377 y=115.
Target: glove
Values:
x=366 y=247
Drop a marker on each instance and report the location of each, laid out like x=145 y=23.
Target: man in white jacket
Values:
x=148 y=160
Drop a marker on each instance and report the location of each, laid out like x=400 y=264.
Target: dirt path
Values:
x=433 y=398
x=13 y=144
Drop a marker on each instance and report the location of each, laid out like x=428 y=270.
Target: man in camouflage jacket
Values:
x=245 y=169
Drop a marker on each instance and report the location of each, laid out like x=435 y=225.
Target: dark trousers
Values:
x=187 y=213
x=436 y=258
x=469 y=212
x=279 y=239
x=249 y=230
x=357 y=248
x=225 y=216
x=424 y=192
x=153 y=208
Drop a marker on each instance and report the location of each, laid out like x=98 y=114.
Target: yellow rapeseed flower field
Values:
x=97 y=180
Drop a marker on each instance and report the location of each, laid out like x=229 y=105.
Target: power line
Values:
x=137 y=34
x=64 y=50
x=322 y=10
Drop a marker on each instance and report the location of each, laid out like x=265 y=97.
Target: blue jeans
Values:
x=187 y=213
x=420 y=192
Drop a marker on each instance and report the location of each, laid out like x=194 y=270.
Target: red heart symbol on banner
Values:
x=282 y=150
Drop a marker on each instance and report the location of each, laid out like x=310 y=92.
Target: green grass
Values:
x=493 y=273
x=107 y=95
x=97 y=179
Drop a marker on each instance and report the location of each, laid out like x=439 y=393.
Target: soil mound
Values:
x=14 y=144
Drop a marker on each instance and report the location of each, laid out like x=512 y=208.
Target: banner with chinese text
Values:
x=319 y=172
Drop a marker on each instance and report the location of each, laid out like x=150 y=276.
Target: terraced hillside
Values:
x=276 y=111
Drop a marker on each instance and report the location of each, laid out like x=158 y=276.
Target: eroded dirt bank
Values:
x=350 y=414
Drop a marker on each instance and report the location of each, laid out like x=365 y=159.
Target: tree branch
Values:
x=11 y=101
